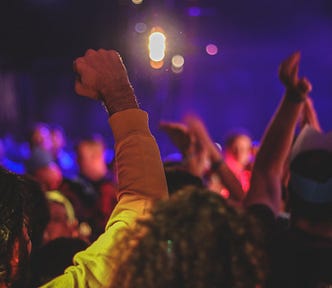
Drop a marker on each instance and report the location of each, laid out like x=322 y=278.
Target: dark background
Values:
x=238 y=87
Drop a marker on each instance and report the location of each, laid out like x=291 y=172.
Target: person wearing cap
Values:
x=300 y=252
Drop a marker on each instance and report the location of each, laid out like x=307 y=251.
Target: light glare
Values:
x=157 y=46
x=137 y=1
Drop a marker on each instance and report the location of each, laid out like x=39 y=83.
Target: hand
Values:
x=178 y=133
x=198 y=129
x=102 y=75
x=204 y=148
x=296 y=89
x=196 y=158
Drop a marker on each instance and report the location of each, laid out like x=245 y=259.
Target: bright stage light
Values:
x=157 y=46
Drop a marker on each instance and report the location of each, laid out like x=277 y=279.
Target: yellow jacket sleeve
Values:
x=141 y=181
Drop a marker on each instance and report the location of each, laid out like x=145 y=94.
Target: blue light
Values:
x=194 y=11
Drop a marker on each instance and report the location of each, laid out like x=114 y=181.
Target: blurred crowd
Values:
x=235 y=214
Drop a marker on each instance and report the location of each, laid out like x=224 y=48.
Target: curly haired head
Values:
x=195 y=239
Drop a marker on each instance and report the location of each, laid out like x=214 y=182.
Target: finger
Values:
x=292 y=59
x=293 y=74
x=169 y=126
x=90 y=52
x=116 y=61
x=86 y=74
x=79 y=65
x=74 y=66
x=288 y=69
x=83 y=91
x=304 y=85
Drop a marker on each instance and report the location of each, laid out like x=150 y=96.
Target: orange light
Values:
x=156 y=64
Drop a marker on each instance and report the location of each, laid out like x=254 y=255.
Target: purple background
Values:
x=238 y=87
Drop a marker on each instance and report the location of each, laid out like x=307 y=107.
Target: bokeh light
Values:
x=156 y=64
x=140 y=27
x=177 y=61
x=177 y=70
x=211 y=49
x=177 y=64
x=137 y=1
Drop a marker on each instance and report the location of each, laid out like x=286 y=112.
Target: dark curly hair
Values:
x=11 y=219
x=21 y=201
x=195 y=239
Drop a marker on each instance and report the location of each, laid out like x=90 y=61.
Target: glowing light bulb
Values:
x=157 y=46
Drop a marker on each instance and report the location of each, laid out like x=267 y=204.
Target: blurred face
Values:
x=58 y=140
x=242 y=149
x=49 y=177
x=41 y=137
x=91 y=160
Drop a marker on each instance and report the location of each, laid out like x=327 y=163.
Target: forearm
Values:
x=265 y=185
x=139 y=166
x=229 y=180
x=278 y=138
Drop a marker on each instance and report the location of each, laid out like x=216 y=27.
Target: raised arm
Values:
x=265 y=187
x=309 y=115
x=195 y=158
x=217 y=165
x=201 y=154
x=102 y=76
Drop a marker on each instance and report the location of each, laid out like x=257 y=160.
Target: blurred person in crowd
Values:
x=63 y=222
x=299 y=252
x=196 y=239
x=40 y=137
x=202 y=158
x=93 y=190
x=60 y=152
x=44 y=170
x=238 y=154
x=15 y=242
